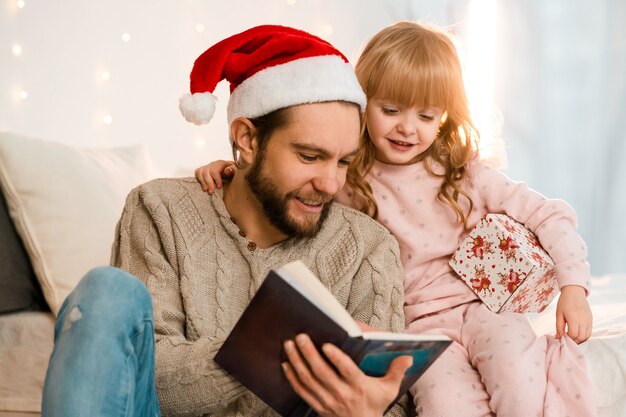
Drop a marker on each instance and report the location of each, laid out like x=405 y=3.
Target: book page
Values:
x=402 y=336
x=306 y=283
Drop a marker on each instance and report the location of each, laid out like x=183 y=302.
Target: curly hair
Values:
x=425 y=59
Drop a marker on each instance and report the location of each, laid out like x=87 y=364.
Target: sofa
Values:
x=58 y=212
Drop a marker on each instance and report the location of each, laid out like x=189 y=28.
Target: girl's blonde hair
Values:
x=414 y=64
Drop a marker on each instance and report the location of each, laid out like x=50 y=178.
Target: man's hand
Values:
x=573 y=310
x=343 y=392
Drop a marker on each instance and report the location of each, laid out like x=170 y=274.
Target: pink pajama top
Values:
x=429 y=232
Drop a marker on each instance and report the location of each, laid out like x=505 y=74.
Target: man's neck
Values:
x=248 y=214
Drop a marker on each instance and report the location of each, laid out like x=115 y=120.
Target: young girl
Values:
x=419 y=174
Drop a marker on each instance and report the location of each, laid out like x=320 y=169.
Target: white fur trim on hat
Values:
x=197 y=108
x=306 y=80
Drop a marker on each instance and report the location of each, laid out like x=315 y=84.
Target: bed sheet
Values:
x=606 y=349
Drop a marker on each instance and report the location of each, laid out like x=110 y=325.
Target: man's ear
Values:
x=243 y=133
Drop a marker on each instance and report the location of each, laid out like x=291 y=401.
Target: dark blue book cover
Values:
x=290 y=301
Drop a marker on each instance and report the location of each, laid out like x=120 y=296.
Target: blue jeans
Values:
x=103 y=358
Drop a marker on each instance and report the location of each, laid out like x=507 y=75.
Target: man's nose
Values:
x=329 y=180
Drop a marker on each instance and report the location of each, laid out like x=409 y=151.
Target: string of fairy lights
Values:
x=104 y=75
x=478 y=65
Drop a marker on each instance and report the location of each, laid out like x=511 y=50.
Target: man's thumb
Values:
x=398 y=368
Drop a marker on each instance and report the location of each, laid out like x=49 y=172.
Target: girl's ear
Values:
x=243 y=133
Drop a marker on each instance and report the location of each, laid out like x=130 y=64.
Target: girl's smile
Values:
x=400 y=133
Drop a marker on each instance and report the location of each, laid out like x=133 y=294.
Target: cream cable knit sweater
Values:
x=201 y=275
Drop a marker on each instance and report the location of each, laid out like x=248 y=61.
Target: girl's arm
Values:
x=211 y=175
x=554 y=223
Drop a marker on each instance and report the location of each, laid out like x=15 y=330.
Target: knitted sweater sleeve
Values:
x=188 y=380
x=381 y=274
x=552 y=220
x=377 y=294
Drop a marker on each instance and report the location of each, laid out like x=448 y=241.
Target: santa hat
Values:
x=269 y=67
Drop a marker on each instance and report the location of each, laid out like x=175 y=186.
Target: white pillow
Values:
x=65 y=202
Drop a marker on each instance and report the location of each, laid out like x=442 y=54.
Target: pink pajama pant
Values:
x=498 y=366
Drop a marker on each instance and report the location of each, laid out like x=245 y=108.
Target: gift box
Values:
x=503 y=262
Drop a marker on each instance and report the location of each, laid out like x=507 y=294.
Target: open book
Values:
x=292 y=300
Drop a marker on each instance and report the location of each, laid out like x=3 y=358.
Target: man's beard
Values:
x=276 y=206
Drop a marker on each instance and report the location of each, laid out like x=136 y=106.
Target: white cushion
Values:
x=65 y=202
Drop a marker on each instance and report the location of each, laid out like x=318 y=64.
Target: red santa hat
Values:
x=269 y=67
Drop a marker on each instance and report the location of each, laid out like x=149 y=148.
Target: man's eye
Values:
x=344 y=162
x=308 y=158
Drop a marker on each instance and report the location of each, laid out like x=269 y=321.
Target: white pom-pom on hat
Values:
x=197 y=108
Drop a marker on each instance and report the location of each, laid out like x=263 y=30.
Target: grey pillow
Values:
x=19 y=289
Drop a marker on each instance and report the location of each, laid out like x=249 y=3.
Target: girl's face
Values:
x=398 y=133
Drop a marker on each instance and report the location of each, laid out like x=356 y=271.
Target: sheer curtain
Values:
x=560 y=89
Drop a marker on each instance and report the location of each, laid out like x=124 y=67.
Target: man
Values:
x=294 y=124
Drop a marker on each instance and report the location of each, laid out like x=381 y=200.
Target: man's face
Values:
x=304 y=164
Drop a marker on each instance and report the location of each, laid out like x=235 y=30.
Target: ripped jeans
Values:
x=103 y=358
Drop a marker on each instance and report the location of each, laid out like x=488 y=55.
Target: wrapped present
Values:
x=503 y=262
